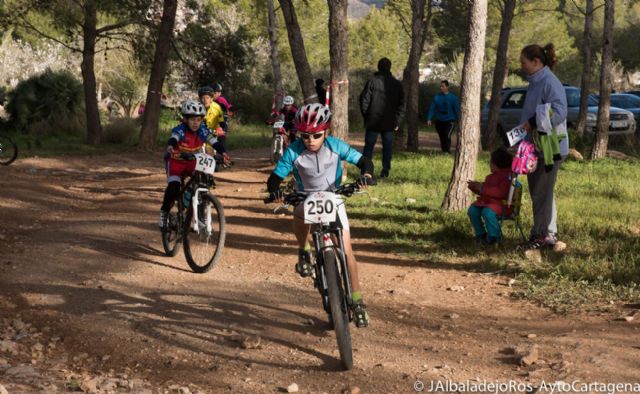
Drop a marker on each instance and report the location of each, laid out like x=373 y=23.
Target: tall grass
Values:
x=598 y=217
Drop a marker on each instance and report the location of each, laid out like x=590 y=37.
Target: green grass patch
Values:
x=598 y=217
x=62 y=145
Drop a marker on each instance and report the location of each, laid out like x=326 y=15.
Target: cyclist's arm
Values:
x=177 y=134
x=217 y=145
x=208 y=137
x=365 y=165
x=273 y=183
x=283 y=168
x=350 y=155
x=173 y=142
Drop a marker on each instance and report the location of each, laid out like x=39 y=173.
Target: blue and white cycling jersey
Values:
x=316 y=171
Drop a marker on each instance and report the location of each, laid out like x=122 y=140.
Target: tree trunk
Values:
x=273 y=44
x=499 y=74
x=89 y=35
x=601 y=141
x=339 y=60
x=410 y=78
x=151 y=115
x=299 y=54
x=457 y=196
x=587 y=61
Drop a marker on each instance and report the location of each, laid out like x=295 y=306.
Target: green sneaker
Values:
x=304 y=266
x=360 y=315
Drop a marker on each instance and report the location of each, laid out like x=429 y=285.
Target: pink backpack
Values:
x=526 y=159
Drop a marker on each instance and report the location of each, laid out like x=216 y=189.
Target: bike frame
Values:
x=196 y=186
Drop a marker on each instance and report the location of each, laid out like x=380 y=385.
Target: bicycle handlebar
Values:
x=346 y=190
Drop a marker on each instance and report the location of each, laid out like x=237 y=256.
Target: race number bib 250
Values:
x=320 y=207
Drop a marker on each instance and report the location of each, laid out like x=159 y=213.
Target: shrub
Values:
x=48 y=103
x=121 y=131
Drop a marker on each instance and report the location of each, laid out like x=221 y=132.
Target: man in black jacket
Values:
x=382 y=106
x=321 y=91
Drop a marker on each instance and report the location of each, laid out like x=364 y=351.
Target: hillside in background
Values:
x=360 y=8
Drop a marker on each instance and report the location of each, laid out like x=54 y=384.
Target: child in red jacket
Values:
x=491 y=205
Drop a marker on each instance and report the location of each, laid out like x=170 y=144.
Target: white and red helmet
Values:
x=287 y=100
x=312 y=118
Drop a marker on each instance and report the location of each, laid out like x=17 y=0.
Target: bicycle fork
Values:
x=323 y=241
x=194 y=205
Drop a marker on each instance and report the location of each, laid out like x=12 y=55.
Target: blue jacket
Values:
x=544 y=87
x=445 y=108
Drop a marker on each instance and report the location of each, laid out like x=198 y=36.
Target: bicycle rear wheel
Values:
x=203 y=248
x=339 y=311
x=172 y=232
x=8 y=150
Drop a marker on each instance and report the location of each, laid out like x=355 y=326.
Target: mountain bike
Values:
x=332 y=278
x=8 y=150
x=196 y=218
x=278 y=141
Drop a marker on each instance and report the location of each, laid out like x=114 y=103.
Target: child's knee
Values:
x=488 y=214
x=473 y=211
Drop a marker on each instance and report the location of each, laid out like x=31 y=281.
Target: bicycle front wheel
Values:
x=172 y=231
x=204 y=235
x=339 y=312
x=8 y=150
x=276 y=149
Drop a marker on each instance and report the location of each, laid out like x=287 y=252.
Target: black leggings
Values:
x=170 y=194
x=444 y=130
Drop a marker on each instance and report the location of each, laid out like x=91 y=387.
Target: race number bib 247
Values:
x=205 y=163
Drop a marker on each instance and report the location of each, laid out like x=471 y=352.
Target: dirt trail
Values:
x=81 y=259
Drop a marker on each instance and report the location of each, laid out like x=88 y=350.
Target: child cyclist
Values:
x=227 y=108
x=288 y=113
x=486 y=211
x=187 y=137
x=315 y=160
x=214 y=118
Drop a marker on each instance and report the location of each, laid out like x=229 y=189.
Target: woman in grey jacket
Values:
x=544 y=88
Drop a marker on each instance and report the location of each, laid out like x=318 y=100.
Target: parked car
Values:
x=629 y=102
x=621 y=121
x=634 y=92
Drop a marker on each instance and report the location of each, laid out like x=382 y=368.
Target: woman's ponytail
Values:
x=550 y=54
